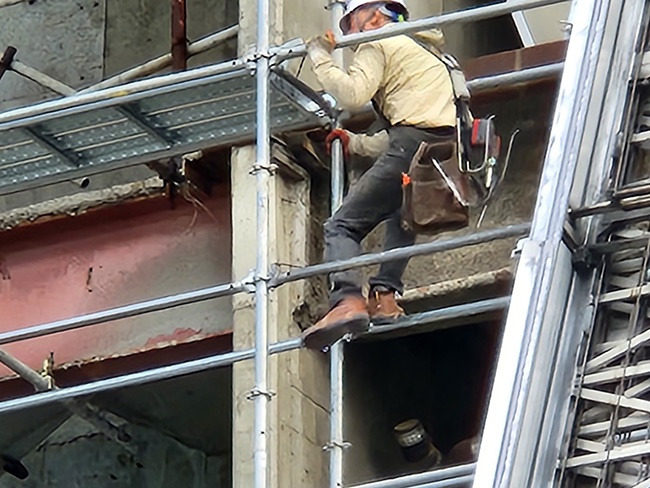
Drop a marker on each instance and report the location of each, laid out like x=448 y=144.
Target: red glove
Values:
x=343 y=136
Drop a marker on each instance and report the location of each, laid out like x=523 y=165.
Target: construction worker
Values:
x=411 y=89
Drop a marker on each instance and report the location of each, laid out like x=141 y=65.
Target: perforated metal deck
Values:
x=144 y=121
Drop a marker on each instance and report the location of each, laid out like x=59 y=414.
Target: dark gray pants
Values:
x=375 y=198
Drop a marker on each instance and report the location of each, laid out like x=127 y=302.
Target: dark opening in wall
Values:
x=440 y=378
x=474 y=39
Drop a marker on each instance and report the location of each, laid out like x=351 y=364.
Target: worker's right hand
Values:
x=321 y=47
x=341 y=135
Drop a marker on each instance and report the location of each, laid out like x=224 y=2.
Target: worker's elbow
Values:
x=350 y=104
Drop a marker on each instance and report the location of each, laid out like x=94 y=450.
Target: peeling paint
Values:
x=4 y=270
x=81 y=202
x=179 y=335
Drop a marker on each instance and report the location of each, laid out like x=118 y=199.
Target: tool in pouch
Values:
x=448 y=178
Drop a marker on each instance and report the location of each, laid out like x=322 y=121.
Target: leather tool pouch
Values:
x=435 y=193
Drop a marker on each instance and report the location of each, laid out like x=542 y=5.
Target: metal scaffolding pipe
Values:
x=164 y=303
x=401 y=253
x=86 y=411
x=461 y=481
x=512 y=77
x=155 y=305
x=443 y=314
x=468 y=15
x=164 y=61
x=41 y=78
x=263 y=171
x=392 y=30
x=504 y=431
x=424 y=479
x=130 y=92
x=199 y=365
x=336 y=443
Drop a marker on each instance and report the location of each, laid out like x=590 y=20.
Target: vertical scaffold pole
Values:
x=336 y=352
x=263 y=172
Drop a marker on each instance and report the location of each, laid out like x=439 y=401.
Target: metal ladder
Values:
x=576 y=284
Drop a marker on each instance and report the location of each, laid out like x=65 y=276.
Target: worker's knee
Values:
x=338 y=228
x=331 y=227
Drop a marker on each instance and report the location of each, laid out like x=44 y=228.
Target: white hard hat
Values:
x=398 y=6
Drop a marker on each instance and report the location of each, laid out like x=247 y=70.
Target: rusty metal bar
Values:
x=179 y=35
x=6 y=60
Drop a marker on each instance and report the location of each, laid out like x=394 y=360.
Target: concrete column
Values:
x=298 y=413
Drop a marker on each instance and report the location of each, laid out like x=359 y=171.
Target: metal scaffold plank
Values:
x=147 y=120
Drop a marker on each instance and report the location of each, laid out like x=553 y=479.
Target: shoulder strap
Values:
x=458 y=80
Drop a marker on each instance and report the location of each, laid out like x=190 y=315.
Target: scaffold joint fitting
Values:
x=337 y=445
x=256 y=392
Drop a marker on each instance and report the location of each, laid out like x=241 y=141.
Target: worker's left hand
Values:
x=325 y=43
x=343 y=136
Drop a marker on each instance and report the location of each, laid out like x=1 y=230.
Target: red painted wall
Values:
x=110 y=257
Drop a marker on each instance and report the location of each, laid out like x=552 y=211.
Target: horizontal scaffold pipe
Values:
x=155 y=305
x=423 y=479
x=462 y=310
x=513 y=77
x=391 y=30
x=121 y=94
x=200 y=365
x=164 y=61
x=186 y=298
x=441 y=245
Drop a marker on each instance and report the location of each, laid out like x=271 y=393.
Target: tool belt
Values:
x=436 y=193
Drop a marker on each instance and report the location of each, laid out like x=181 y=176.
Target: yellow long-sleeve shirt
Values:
x=410 y=85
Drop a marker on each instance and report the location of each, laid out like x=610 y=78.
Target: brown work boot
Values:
x=349 y=316
x=383 y=307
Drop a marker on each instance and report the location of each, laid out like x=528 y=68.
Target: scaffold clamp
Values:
x=271 y=168
x=337 y=445
x=249 y=282
x=256 y=392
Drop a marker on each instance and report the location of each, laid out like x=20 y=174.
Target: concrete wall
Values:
x=61 y=38
x=137 y=31
x=80 y=42
x=179 y=434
